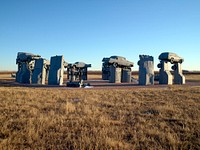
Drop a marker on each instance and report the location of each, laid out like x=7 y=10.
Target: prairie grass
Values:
x=53 y=118
x=4 y=76
x=193 y=77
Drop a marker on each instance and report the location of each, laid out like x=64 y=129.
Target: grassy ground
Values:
x=4 y=76
x=100 y=119
x=193 y=77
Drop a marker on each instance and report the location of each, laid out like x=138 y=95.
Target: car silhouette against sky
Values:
x=171 y=57
x=26 y=57
x=117 y=61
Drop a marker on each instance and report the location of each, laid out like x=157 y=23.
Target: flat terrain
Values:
x=166 y=117
x=94 y=78
x=100 y=119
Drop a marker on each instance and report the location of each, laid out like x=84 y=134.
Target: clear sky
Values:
x=88 y=30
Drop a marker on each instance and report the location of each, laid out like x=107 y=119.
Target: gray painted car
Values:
x=172 y=57
x=23 y=57
x=117 y=61
x=81 y=65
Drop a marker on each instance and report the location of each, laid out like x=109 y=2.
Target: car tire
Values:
x=115 y=65
x=172 y=60
x=174 y=67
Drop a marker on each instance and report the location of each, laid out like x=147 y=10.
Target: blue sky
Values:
x=88 y=30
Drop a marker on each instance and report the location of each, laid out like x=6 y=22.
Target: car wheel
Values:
x=115 y=65
x=174 y=67
x=172 y=60
x=159 y=65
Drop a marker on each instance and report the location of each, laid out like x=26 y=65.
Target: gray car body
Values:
x=23 y=57
x=118 y=61
x=79 y=65
x=171 y=57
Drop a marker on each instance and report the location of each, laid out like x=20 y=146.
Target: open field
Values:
x=52 y=118
x=165 y=117
x=192 y=78
x=96 y=75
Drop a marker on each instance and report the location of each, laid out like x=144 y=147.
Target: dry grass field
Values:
x=193 y=77
x=96 y=75
x=53 y=118
x=127 y=118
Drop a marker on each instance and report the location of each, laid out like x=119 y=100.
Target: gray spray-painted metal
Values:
x=40 y=71
x=77 y=71
x=82 y=69
x=19 y=72
x=84 y=74
x=126 y=75
x=56 y=71
x=165 y=76
x=179 y=78
x=146 y=70
x=81 y=65
x=71 y=72
x=115 y=74
x=116 y=62
x=25 y=62
x=170 y=57
x=24 y=74
x=26 y=57
x=105 y=71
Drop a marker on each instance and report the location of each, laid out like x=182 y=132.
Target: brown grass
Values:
x=100 y=119
x=191 y=77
